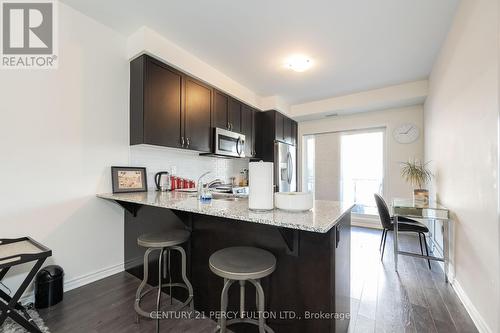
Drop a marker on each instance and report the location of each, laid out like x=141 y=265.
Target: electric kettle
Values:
x=162 y=181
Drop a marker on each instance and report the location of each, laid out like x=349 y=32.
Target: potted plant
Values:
x=417 y=174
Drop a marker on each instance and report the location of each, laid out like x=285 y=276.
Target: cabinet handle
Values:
x=187 y=141
x=337 y=236
x=182 y=141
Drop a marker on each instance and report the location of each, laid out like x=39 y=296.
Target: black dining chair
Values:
x=404 y=225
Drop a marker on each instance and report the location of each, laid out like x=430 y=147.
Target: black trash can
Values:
x=49 y=286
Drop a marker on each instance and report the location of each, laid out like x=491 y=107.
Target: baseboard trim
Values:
x=476 y=317
x=81 y=280
x=92 y=277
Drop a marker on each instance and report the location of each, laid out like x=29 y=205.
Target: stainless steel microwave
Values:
x=227 y=143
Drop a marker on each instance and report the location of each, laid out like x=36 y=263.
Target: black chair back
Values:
x=383 y=211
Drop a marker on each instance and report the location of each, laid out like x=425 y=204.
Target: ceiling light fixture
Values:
x=298 y=63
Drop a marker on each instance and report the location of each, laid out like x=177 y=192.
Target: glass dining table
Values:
x=431 y=211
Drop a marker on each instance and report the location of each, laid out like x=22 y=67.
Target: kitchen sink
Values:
x=225 y=197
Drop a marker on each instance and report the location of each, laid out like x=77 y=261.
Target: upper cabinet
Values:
x=234 y=115
x=155 y=103
x=273 y=126
x=287 y=130
x=220 y=110
x=248 y=129
x=171 y=109
x=227 y=112
x=279 y=122
x=294 y=134
x=197 y=130
x=167 y=107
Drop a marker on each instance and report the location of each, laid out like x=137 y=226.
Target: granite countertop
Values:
x=323 y=216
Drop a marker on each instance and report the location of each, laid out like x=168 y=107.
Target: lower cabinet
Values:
x=343 y=272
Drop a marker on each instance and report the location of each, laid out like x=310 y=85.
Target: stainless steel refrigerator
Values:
x=285 y=167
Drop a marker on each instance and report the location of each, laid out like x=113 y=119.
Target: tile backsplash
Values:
x=188 y=163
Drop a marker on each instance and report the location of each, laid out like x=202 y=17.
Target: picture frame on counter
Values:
x=129 y=179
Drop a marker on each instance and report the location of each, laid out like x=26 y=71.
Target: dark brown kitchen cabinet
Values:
x=269 y=128
x=167 y=107
x=155 y=103
x=279 y=122
x=196 y=117
x=287 y=130
x=294 y=133
x=342 y=272
x=234 y=115
x=254 y=132
x=220 y=110
x=227 y=112
x=247 y=126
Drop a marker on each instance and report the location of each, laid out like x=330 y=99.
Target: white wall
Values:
x=60 y=131
x=461 y=123
x=394 y=185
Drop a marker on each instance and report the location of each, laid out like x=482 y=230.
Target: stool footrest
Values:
x=141 y=312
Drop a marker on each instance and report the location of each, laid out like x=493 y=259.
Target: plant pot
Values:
x=421 y=196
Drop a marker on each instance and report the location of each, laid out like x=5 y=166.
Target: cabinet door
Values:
x=343 y=272
x=235 y=115
x=162 y=105
x=287 y=130
x=279 y=122
x=246 y=128
x=254 y=131
x=294 y=132
x=197 y=110
x=220 y=110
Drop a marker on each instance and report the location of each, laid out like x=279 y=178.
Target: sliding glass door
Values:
x=362 y=168
x=345 y=166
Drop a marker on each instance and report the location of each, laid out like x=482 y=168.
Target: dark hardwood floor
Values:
x=415 y=300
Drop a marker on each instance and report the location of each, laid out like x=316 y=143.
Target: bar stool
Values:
x=243 y=264
x=163 y=242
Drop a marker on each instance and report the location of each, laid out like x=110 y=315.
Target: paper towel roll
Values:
x=260 y=181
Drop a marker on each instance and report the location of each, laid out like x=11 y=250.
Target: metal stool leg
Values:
x=242 y=299
x=261 y=307
x=223 y=305
x=143 y=284
x=184 y=274
x=169 y=276
x=158 y=299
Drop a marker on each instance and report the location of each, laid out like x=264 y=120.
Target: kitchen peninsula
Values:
x=311 y=284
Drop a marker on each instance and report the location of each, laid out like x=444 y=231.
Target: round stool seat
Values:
x=242 y=263
x=164 y=239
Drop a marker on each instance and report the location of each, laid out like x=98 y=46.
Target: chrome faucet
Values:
x=200 y=185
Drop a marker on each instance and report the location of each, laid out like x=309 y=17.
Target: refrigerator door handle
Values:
x=290 y=167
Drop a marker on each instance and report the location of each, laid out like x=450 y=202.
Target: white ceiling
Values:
x=356 y=45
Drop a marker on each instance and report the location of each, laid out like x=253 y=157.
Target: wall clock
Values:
x=406 y=133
